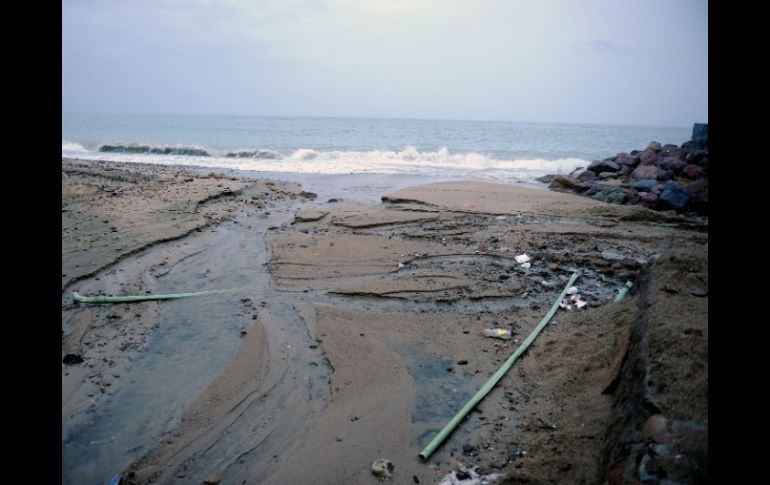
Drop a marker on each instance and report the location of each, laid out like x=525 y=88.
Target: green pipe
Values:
x=126 y=299
x=441 y=436
x=624 y=291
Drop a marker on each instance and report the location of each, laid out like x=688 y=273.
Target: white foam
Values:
x=409 y=161
x=71 y=146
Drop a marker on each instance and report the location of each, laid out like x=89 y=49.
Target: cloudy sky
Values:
x=576 y=61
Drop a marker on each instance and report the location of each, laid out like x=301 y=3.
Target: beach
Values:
x=351 y=330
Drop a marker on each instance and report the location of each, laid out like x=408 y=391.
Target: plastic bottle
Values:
x=502 y=333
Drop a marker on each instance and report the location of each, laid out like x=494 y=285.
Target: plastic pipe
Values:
x=441 y=436
x=624 y=291
x=127 y=299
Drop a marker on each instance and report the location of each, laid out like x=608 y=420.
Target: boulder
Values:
x=599 y=166
x=546 y=179
x=699 y=195
x=654 y=146
x=673 y=151
x=607 y=175
x=692 y=171
x=648 y=199
x=700 y=135
x=674 y=196
x=648 y=157
x=646 y=172
x=612 y=195
x=563 y=182
x=587 y=176
x=644 y=185
x=624 y=159
x=671 y=163
x=696 y=157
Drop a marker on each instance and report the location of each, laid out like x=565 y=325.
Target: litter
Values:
x=502 y=333
x=526 y=265
x=469 y=476
x=572 y=300
x=522 y=258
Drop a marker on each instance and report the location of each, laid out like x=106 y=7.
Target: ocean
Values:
x=409 y=149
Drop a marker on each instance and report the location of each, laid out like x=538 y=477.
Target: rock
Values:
x=212 y=480
x=673 y=151
x=699 y=195
x=468 y=449
x=654 y=425
x=692 y=171
x=671 y=163
x=587 y=188
x=604 y=166
x=612 y=195
x=332 y=201
x=654 y=146
x=700 y=135
x=563 y=182
x=646 y=172
x=696 y=157
x=546 y=179
x=462 y=362
x=587 y=176
x=382 y=468
x=607 y=175
x=626 y=159
x=644 y=185
x=72 y=359
x=648 y=157
x=674 y=196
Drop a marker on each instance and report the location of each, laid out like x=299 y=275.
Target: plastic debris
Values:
x=526 y=265
x=573 y=300
x=522 y=258
x=502 y=333
x=401 y=265
x=469 y=476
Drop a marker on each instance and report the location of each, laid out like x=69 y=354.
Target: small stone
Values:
x=382 y=468
x=212 y=480
x=468 y=448
x=462 y=362
x=72 y=359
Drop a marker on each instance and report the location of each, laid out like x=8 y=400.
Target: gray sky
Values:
x=642 y=62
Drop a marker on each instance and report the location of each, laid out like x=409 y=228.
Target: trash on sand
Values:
x=526 y=265
x=501 y=218
x=382 y=468
x=573 y=300
x=78 y=298
x=469 y=476
x=401 y=265
x=521 y=258
x=502 y=333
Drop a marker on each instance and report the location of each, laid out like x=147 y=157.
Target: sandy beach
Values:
x=352 y=332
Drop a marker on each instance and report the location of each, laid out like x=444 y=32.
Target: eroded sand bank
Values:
x=353 y=332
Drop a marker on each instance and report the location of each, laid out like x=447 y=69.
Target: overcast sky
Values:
x=642 y=62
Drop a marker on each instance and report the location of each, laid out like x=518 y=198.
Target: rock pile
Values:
x=659 y=177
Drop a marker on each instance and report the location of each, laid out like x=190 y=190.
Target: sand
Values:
x=352 y=332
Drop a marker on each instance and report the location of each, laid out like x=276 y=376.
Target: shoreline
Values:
x=344 y=339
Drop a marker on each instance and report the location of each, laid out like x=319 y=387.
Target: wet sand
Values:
x=352 y=331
